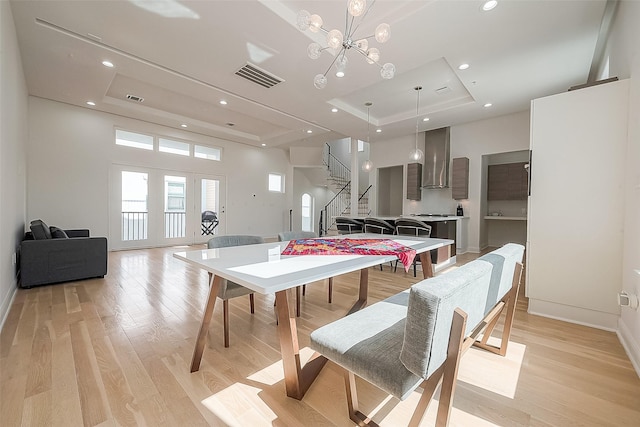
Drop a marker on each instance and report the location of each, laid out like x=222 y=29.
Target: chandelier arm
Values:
x=364 y=15
x=363 y=53
x=334 y=61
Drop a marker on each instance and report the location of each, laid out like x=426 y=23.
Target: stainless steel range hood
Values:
x=436 y=159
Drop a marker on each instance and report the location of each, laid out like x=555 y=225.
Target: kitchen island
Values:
x=444 y=226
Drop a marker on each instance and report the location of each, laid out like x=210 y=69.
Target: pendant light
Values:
x=367 y=165
x=417 y=154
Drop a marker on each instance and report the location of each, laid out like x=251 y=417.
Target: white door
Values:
x=209 y=207
x=151 y=207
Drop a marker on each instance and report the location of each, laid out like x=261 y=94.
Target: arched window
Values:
x=307 y=212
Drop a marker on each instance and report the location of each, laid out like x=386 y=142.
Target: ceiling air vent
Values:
x=134 y=98
x=442 y=90
x=259 y=76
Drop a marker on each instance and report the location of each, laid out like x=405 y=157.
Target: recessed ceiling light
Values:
x=183 y=125
x=378 y=130
x=463 y=66
x=263 y=144
x=223 y=102
x=487 y=105
x=309 y=131
x=334 y=110
x=91 y=103
x=107 y=64
x=426 y=119
x=488 y=5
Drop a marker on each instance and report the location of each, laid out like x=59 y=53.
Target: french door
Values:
x=152 y=207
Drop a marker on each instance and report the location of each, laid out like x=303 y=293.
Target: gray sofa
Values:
x=52 y=255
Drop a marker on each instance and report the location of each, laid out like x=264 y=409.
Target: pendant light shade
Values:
x=416 y=155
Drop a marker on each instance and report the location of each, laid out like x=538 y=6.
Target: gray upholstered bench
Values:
x=415 y=338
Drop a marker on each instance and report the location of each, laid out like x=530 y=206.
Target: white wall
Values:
x=624 y=52
x=71 y=150
x=473 y=140
x=13 y=137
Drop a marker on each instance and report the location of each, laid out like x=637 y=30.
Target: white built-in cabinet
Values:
x=576 y=206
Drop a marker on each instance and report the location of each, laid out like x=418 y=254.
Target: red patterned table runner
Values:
x=351 y=246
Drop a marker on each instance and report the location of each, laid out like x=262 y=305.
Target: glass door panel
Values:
x=209 y=207
x=175 y=202
x=134 y=206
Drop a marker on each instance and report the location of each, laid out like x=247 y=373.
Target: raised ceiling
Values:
x=182 y=57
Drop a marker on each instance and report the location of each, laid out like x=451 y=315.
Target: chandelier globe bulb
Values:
x=357 y=7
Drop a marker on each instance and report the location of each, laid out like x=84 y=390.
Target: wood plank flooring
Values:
x=116 y=352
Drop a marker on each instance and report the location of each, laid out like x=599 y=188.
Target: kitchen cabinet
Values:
x=460 y=178
x=414 y=180
x=507 y=181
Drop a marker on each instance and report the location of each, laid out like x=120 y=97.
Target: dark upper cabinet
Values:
x=414 y=181
x=460 y=178
x=507 y=182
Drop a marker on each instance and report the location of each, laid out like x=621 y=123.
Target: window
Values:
x=173 y=147
x=276 y=183
x=360 y=146
x=307 y=212
x=135 y=140
x=209 y=153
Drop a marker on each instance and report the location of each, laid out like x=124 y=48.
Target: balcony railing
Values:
x=135 y=225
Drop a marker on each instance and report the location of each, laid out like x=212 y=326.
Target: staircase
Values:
x=339 y=180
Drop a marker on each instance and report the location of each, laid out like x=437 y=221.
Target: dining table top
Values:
x=263 y=269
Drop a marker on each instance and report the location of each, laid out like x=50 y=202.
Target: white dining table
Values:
x=263 y=269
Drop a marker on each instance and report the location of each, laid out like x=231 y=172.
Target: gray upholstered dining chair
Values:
x=294 y=235
x=412 y=227
x=229 y=289
x=346 y=225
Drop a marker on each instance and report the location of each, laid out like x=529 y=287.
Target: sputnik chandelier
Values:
x=343 y=42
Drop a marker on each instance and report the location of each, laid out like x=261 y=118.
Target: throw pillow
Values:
x=58 y=233
x=40 y=230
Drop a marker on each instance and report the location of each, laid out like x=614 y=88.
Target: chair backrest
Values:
x=475 y=287
x=504 y=262
x=430 y=314
x=233 y=240
x=348 y=225
x=379 y=226
x=293 y=235
x=209 y=216
x=412 y=227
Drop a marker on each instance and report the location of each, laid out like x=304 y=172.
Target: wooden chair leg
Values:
x=330 y=289
x=304 y=290
x=297 y=301
x=225 y=317
x=451 y=364
x=252 y=303
x=352 y=402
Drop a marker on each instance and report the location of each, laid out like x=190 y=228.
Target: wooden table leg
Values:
x=214 y=288
x=427 y=266
x=297 y=378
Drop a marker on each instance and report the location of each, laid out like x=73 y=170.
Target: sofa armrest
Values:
x=77 y=233
x=60 y=260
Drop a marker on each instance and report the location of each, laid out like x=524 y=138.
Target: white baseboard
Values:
x=6 y=306
x=577 y=315
x=630 y=346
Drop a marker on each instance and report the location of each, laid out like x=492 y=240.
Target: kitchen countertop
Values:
x=506 y=218
x=425 y=218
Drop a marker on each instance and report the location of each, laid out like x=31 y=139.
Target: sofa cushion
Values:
x=58 y=233
x=40 y=230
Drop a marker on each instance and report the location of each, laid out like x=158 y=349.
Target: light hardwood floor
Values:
x=116 y=351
